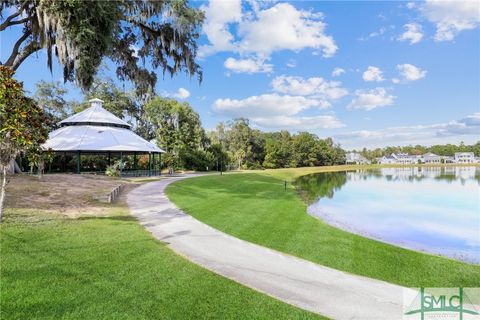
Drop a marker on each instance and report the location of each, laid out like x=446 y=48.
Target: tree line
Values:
x=440 y=149
x=235 y=144
x=249 y=148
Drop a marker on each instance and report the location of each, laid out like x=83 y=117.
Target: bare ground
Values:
x=71 y=195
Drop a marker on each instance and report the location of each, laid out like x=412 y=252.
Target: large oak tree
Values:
x=139 y=36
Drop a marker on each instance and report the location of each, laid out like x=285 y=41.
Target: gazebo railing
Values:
x=141 y=173
x=71 y=162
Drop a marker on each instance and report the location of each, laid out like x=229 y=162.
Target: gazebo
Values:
x=95 y=131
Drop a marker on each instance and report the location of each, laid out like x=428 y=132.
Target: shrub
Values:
x=114 y=169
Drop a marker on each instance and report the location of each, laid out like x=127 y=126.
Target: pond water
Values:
x=434 y=209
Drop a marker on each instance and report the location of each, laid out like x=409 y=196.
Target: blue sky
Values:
x=365 y=73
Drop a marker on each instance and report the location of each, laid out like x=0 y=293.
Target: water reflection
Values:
x=315 y=186
x=435 y=209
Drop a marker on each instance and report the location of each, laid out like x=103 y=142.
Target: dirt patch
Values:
x=72 y=195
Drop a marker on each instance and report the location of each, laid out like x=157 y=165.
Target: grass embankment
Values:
x=255 y=207
x=81 y=266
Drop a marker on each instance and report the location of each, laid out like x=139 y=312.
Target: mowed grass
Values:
x=255 y=207
x=53 y=267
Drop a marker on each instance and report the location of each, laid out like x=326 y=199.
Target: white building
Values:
x=404 y=158
x=464 y=157
x=448 y=159
x=428 y=158
x=387 y=160
x=356 y=158
x=431 y=158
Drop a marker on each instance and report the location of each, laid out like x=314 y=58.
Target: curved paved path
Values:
x=313 y=287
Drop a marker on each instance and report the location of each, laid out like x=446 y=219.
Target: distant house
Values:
x=464 y=157
x=356 y=158
x=404 y=158
x=448 y=159
x=387 y=160
x=428 y=158
x=431 y=158
x=399 y=158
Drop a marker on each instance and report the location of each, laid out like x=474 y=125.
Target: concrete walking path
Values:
x=312 y=287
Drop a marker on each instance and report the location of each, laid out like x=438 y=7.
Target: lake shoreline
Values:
x=356 y=201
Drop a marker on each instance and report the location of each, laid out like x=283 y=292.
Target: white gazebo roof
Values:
x=95 y=115
x=96 y=129
x=98 y=138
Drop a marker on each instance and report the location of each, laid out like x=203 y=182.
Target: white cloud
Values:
x=282 y=109
x=396 y=80
x=292 y=63
x=299 y=123
x=413 y=33
x=374 y=34
x=380 y=32
x=135 y=50
x=314 y=87
x=466 y=126
x=218 y=17
x=264 y=30
x=248 y=65
x=451 y=17
x=182 y=93
x=265 y=105
x=373 y=74
x=338 y=72
x=371 y=99
x=465 y=129
x=411 y=5
x=283 y=27
x=278 y=111
x=410 y=72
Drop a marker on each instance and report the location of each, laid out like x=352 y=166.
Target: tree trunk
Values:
x=41 y=169
x=2 y=192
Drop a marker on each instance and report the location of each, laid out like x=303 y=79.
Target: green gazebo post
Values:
x=78 y=161
x=153 y=163
x=135 y=163
x=149 y=164
x=160 y=165
x=121 y=163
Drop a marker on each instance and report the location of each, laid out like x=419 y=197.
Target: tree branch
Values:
x=30 y=48
x=8 y=22
x=16 y=48
x=15 y=23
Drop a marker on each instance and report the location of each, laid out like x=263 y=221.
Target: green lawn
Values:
x=255 y=207
x=111 y=268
